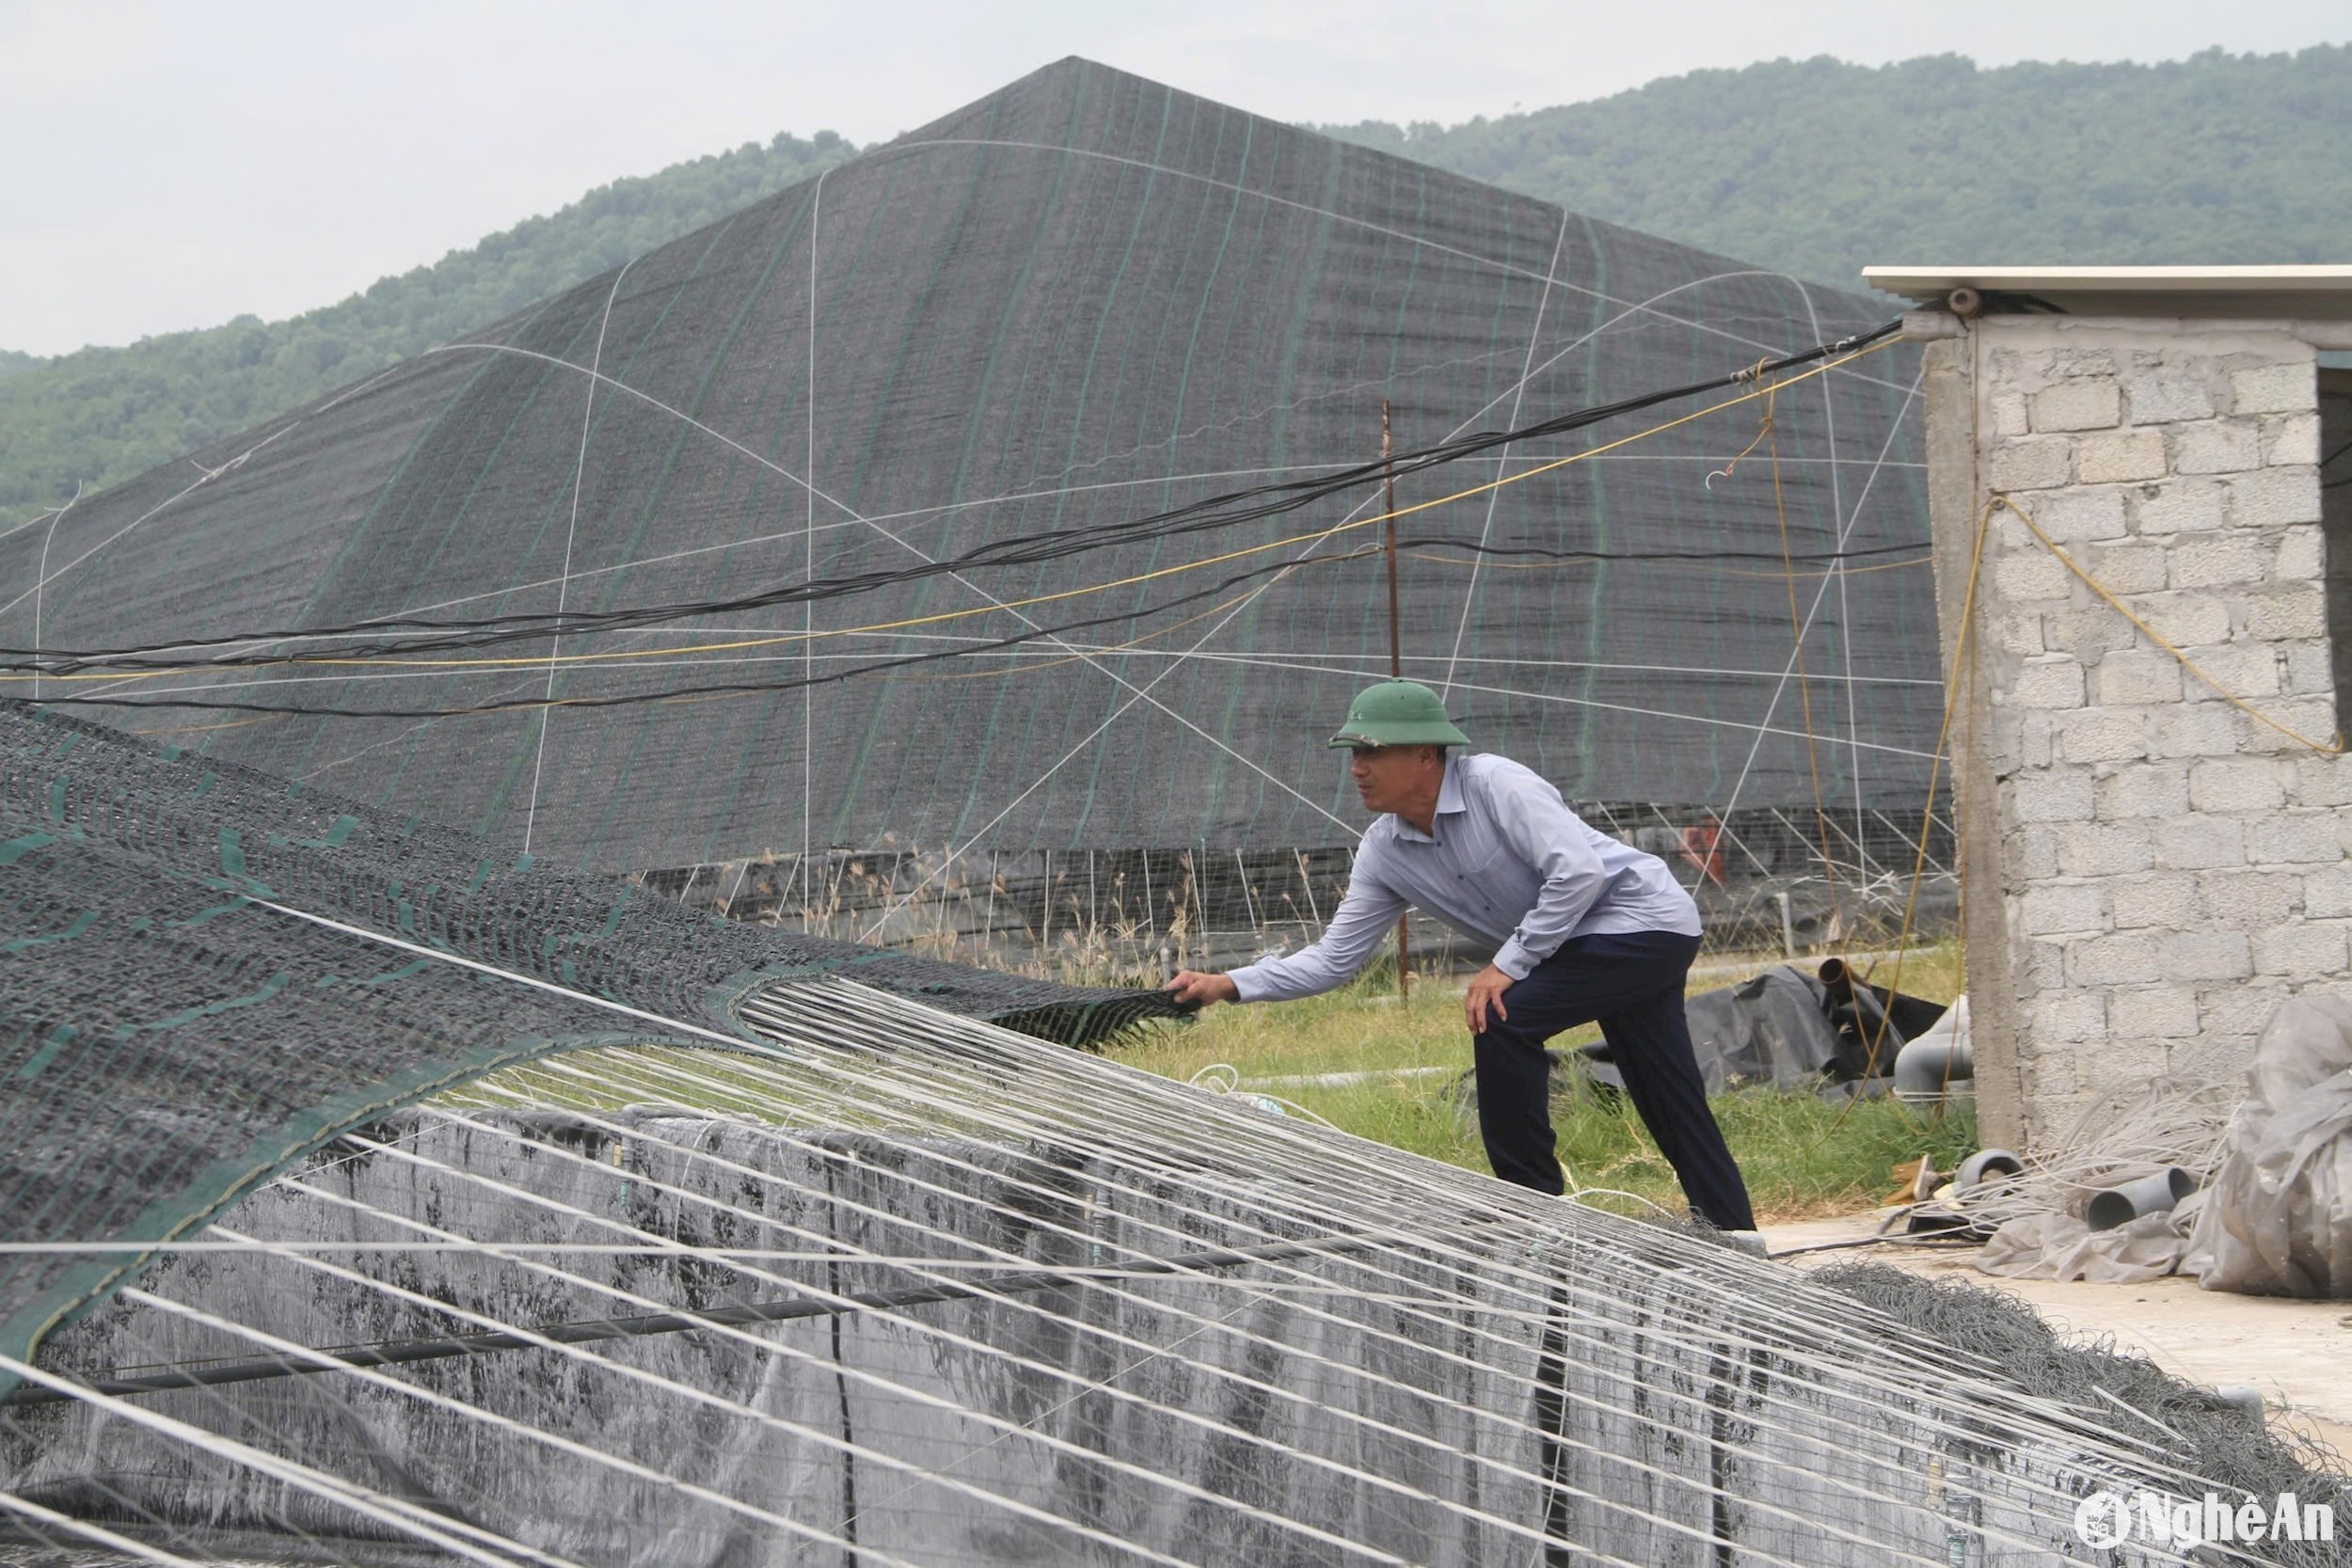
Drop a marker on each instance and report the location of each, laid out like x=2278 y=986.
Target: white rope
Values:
x=41 y=578
x=1494 y=497
x=1819 y=593
x=1179 y=660
x=814 y=495
x=571 y=530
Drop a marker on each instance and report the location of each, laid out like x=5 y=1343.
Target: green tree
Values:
x=1818 y=168
x=1813 y=167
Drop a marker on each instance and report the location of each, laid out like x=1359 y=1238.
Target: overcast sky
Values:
x=172 y=164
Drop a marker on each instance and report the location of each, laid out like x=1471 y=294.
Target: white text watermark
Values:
x=2159 y=1519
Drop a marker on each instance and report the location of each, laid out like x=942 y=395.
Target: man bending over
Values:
x=1585 y=929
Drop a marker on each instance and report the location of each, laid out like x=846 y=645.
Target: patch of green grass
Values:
x=1359 y=1028
x=1802 y=1156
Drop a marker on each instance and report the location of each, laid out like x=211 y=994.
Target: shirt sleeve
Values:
x=1363 y=917
x=1545 y=834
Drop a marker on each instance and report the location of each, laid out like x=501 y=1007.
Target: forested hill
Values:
x=1810 y=167
x=1818 y=167
x=103 y=415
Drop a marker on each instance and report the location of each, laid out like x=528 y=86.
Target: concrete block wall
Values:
x=2163 y=867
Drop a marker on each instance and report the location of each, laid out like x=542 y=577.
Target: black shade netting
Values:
x=205 y=971
x=1081 y=301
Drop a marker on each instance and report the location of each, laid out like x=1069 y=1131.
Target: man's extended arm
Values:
x=1363 y=917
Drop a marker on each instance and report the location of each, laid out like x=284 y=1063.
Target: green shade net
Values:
x=206 y=972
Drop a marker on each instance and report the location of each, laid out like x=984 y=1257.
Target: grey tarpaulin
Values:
x=1784 y=1028
x=2278 y=1219
x=1082 y=300
x=2061 y=1246
x=1768 y=1030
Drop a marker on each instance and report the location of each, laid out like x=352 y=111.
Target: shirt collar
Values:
x=1450 y=804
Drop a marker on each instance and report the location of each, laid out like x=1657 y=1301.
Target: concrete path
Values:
x=2298 y=1352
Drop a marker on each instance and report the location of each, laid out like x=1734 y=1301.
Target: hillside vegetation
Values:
x=1819 y=168
x=1811 y=166
x=103 y=415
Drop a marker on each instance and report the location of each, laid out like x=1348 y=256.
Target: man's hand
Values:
x=1485 y=991
x=1194 y=989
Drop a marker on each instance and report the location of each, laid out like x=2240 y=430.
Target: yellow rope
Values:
x=1132 y=642
x=591 y=661
x=2333 y=747
x=1960 y=648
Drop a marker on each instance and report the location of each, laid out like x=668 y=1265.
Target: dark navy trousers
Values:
x=1631 y=983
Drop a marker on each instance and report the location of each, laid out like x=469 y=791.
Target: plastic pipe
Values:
x=1937 y=1060
x=2244 y=1398
x=2150 y=1194
x=1985 y=1165
x=1858 y=1012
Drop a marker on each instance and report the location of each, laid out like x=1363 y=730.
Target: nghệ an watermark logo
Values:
x=2106 y=1519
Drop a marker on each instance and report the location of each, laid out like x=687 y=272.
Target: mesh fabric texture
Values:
x=168 y=1038
x=1084 y=298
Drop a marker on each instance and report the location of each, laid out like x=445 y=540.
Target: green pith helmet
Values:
x=1398 y=713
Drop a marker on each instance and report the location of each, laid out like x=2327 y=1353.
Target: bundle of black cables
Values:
x=396 y=636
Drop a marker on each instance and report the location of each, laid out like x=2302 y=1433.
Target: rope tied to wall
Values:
x=2333 y=746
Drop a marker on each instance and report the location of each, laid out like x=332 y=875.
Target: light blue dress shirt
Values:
x=1507 y=863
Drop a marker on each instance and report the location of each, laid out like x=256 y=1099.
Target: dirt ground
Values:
x=2298 y=1352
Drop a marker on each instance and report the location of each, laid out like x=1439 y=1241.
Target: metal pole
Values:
x=1396 y=645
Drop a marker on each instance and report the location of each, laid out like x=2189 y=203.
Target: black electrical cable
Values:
x=26 y=666
x=1222 y=510
x=727 y=689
